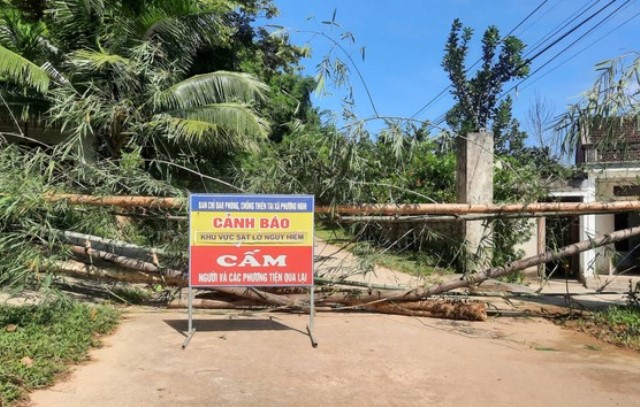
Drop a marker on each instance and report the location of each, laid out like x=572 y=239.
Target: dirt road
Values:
x=362 y=360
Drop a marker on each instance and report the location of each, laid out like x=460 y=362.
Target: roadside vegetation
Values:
x=617 y=325
x=38 y=343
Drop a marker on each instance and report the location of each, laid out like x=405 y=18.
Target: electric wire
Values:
x=527 y=17
x=442 y=92
x=436 y=123
x=571 y=31
x=583 y=49
x=561 y=52
x=563 y=25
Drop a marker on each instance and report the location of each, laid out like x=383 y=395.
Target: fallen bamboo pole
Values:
x=476 y=278
x=413 y=219
x=374 y=209
x=82 y=270
x=449 y=309
x=109 y=245
x=355 y=298
x=479 y=209
x=119 y=201
x=126 y=262
x=467 y=311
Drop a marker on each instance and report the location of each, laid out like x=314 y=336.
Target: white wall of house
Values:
x=530 y=247
x=599 y=186
x=604 y=255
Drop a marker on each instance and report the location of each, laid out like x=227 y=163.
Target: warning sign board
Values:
x=250 y=240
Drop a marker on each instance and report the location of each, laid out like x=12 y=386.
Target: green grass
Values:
x=545 y=349
x=409 y=262
x=617 y=325
x=39 y=342
x=332 y=235
x=130 y=295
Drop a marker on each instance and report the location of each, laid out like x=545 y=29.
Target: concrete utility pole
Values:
x=475 y=186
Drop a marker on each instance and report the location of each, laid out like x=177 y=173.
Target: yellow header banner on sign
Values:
x=248 y=228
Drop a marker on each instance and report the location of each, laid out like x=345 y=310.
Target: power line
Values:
x=575 y=15
x=441 y=118
x=527 y=17
x=565 y=35
x=442 y=92
x=596 y=26
x=584 y=49
x=540 y=17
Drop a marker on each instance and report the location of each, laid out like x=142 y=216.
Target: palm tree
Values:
x=115 y=76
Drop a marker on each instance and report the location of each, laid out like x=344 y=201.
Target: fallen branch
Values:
x=450 y=309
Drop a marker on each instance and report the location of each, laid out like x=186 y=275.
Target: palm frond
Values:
x=214 y=87
x=231 y=118
x=95 y=61
x=20 y=36
x=177 y=21
x=77 y=23
x=226 y=126
x=199 y=133
x=18 y=69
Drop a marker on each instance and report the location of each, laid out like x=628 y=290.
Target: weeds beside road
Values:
x=39 y=342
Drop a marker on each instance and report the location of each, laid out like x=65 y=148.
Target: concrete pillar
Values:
x=588 y=231
x=475 y=186
x=541 y=238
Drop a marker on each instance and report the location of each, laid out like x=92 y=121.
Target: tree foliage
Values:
x=610 y=106
x=154 y=97
x=477 y=96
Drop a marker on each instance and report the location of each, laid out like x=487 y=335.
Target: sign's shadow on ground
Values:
x=225 y=325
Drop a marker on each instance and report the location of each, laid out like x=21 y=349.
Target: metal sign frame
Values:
x=256 y=215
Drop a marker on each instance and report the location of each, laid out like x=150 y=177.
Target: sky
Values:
x=404 y=44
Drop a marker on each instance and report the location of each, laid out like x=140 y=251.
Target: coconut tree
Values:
x=116 y=76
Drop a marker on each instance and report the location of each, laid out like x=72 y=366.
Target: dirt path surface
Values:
x=337 y=263
x=265 y=359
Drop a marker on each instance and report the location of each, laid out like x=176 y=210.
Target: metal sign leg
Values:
x=191 y=329
x=310 y=327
